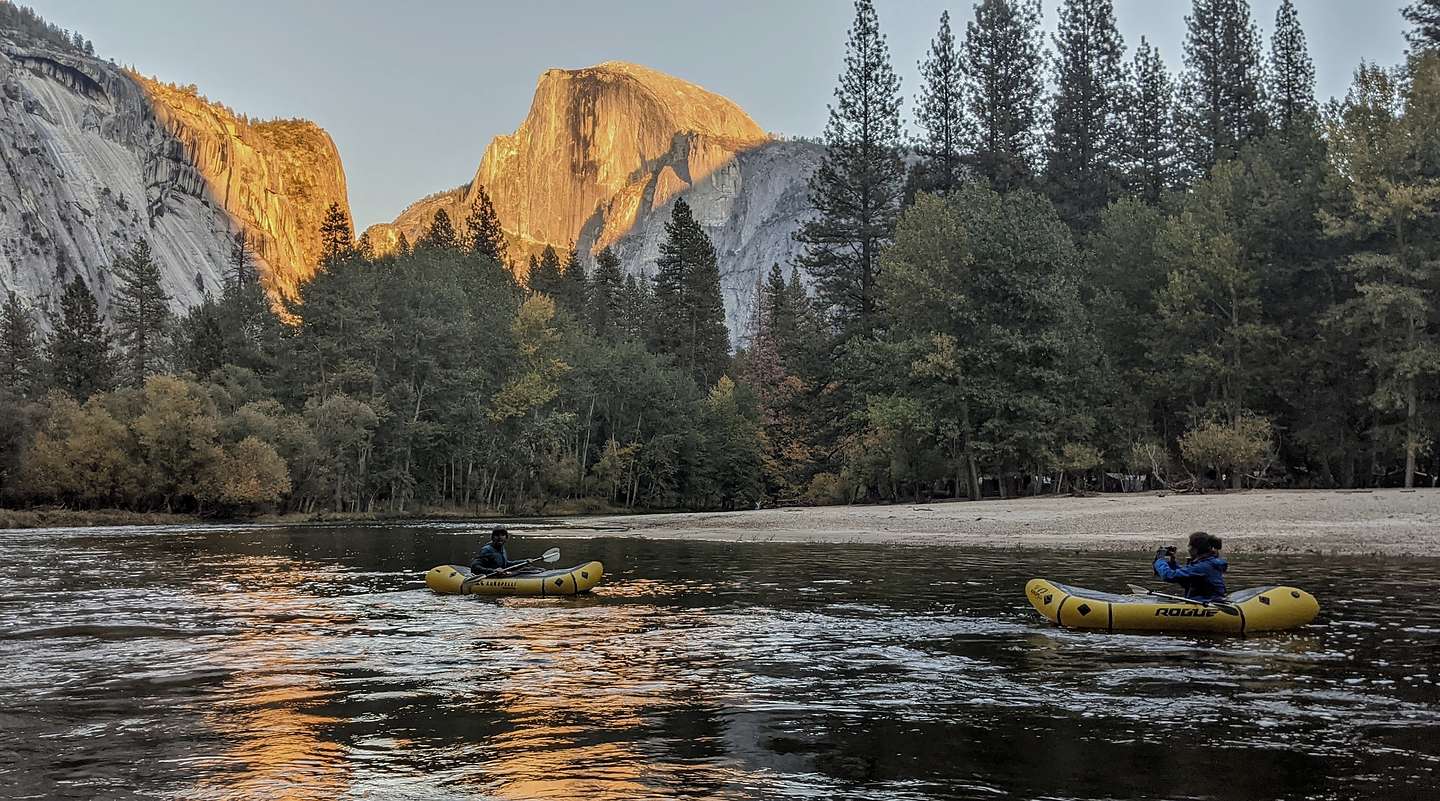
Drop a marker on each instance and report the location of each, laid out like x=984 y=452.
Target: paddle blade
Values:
x=1137 y=589
x=552 y=555
x=1227 y=609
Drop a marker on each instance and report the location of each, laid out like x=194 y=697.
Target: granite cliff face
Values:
x=96 y=157
x=601 y=157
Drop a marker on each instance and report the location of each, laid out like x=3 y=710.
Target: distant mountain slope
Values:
x=600 y=158
x=96 y=157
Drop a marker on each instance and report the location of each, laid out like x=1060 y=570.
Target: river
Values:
x=312 y=663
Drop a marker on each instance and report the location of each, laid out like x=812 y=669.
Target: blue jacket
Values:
x=491 y=558
x=1202 y=579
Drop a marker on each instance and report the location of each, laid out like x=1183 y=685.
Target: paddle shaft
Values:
x=552 y=555
x=1223 y=607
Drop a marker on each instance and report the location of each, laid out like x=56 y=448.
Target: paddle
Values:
x=1223 y=607
x=550 y=556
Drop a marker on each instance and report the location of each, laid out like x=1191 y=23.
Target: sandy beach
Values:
x=1380 y=522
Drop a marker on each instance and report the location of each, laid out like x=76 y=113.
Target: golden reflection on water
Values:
x=277 y=745
x=572 y=728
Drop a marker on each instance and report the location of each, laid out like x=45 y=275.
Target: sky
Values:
x=413 y=92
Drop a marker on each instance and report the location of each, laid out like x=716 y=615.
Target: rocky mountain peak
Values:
x=99 y=157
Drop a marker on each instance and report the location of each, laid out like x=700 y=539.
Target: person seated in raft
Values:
x=1203 y=575
x=492 y=557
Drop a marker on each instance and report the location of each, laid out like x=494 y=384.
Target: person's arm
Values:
x=1172 y=572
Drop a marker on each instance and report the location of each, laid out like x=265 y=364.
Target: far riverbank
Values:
x=1345 y=522
x=1340 y=522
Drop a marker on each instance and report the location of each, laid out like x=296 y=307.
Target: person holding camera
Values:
x=1203 y=574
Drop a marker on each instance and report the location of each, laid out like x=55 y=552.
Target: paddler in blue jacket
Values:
x=492 y=557
x=1203 y=574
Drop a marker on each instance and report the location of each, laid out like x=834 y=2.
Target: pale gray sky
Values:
x=413 y=92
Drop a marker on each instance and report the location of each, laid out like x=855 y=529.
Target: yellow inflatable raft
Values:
x=457 y=580
x=1258 y=609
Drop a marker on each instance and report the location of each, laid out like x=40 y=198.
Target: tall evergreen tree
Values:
x=365 y=247
x=482 y=227
x=572 y=290
x=1222 y=93
x=547 y=276
x=1424 y=19
x=606 y=299
x=857 y=189
x=241 y=267
x=402 y=244
x=441 y=233
x=1292 y=73
x=142 y=314
x=336 y=237
x=940 y=112
x=81 y=363
x=241 y=319
x=1152 y=148
x=637 y=301
x=1004 y=68
x=689 y=316
x=19 y=349
x=1086 y=133
x=200 y=338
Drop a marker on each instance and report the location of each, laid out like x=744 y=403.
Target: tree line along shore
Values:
x=1204 y=280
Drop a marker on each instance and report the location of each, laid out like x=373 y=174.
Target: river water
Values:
x=312 y=663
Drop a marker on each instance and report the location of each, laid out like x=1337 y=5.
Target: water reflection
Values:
x=311 y=663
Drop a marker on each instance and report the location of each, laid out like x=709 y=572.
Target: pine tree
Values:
x=689 y=317
x=1085 y=142
x=336 y=238
x=441 y=234
x=142 y=314
x=19 y=350
x=241 y=320
x=79 y=348
x=857 y=189
x=1424 y=18
x=1221 y=95
x=241 y=268
x=606 y=299
x=365 y=247
x=1004 y=68
x=402 y=245
x=1292 y=73
x=1152 y=148
x=572 y=289
x=546 y=274
x=482 y=226
x=940 y=112
x=636 y=303
x=201 y=337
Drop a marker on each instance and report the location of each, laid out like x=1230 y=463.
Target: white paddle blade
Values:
x=1137 y=589
x=552 y=555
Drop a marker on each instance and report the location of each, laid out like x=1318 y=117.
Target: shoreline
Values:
x=1383 y=522
x=1386 y=522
